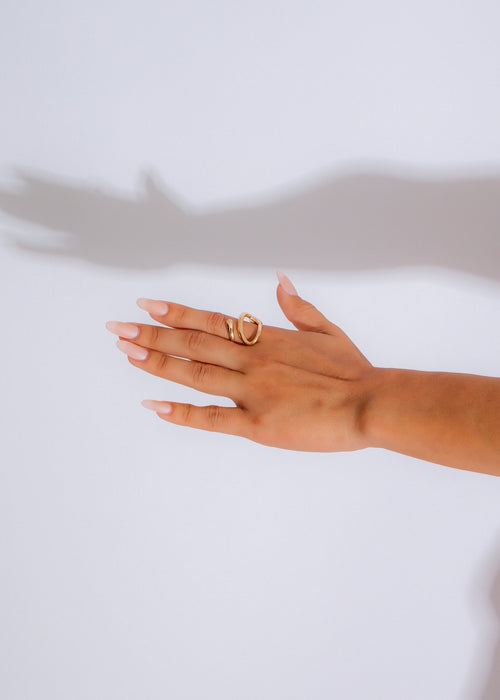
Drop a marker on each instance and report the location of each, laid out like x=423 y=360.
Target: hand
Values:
x=298 y=390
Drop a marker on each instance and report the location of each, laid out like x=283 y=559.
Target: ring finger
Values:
x=278 y=343
x=179 y=316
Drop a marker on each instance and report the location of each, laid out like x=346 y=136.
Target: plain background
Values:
x=184 y=151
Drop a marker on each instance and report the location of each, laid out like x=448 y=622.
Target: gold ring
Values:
x=241 y=333
x=230 y=328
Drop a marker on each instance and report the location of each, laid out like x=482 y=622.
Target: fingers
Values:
x=198 y=375
x=220 y=419
x=191 y=344
x=179 y=316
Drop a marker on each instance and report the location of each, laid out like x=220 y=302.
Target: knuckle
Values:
x=187 y=413
x=194 y=340
x=213 y=417
x=306 y=307
x=201 y=372
x=162 y=363
x=256 y=421
x=260 y=363
x=180 y=315
x=154 y=336
x=314 y=318
x=257 y=427
x=216 y=322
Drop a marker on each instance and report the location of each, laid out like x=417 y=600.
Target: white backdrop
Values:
x=184 y=151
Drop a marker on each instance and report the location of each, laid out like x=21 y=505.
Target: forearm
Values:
x=449 y=419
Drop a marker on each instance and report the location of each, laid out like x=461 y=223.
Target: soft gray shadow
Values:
x=484 y=674
x=342 y=223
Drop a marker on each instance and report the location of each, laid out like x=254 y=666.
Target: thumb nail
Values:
x=286 y=284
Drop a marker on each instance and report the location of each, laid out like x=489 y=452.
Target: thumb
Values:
x=300 y=312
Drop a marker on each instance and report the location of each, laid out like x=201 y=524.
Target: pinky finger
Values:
x=219 y=419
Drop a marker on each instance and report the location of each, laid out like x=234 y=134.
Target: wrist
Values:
x=382 y=403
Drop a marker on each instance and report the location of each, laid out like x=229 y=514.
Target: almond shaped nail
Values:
x=136 y=352
x=157 y=308
x=286 y=284
x=158 y=406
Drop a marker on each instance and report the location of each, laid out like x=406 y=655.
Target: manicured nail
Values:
x=286 y=284
x=158 y=308
x=158 y=406
x=126 y=330
x=132 y=350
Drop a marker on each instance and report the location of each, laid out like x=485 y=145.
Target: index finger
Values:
x=179 y=316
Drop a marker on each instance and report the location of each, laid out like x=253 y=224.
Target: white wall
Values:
x=184 y=151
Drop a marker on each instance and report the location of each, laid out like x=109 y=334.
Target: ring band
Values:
x=241 y=332
x=230 y=328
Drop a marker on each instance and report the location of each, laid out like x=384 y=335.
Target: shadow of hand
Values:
x=348 y=223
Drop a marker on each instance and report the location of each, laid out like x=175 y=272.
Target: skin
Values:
x=312 y=389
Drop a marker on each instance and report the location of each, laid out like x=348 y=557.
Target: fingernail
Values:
x=132 y=350
x=126 y=330
x=158 y=406
x=158 y=308
x=286 y=284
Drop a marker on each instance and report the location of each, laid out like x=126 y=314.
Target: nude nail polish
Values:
x=286 y=284
x=157 y=308
x=158 y=406
x=126 y=330
x=132 y=350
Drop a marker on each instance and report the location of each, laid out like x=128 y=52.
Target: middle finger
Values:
x=191 y=344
